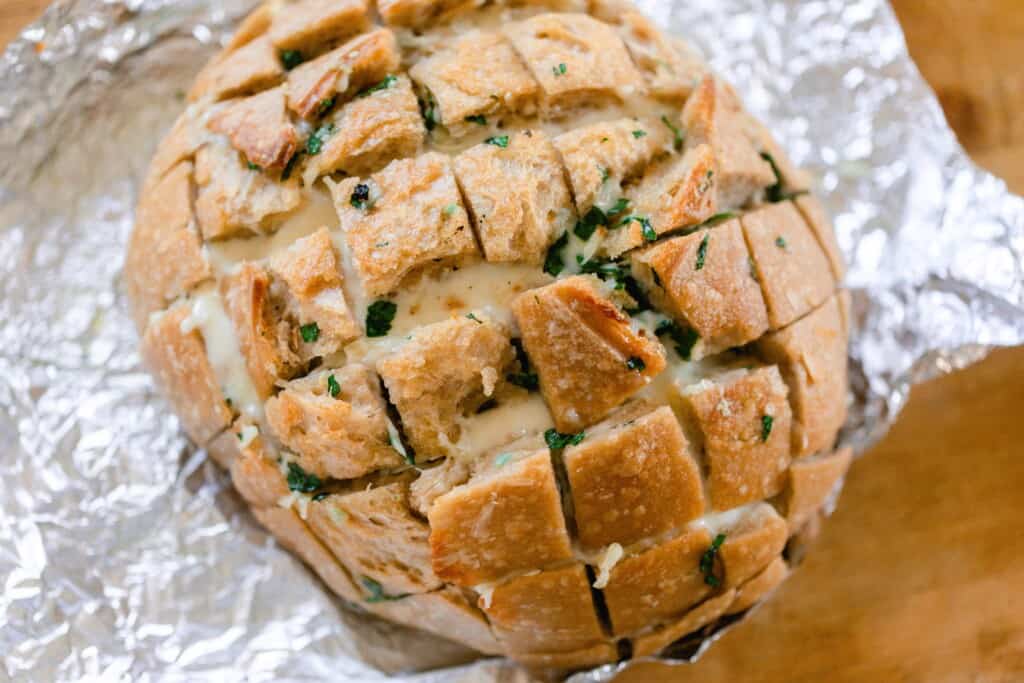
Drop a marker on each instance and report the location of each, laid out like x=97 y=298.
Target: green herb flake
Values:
x=553 y=262
x=253 y=167
x=478 y=119
x=684 y=339
x=379 y=317
x=498 y=141
x=291 y=59
x=679 y=137
x=717 y=219
x=526 y=380
x=767 y=422
x=316 y=141
x=646 y=229
x=377 y=593
x=605 y=174
x=557 y=441
x=780 y=242
x=388 y=82
x=475 y=319
x=302 y=481
x=360 y=198
x=619 y=206
x=639 y=134
x=707 y=562
x=451 y=209
x=590 y=222
x=310 y=333
x=702 y=252
x=777 y=192
x=333 y=388
x=320 y=496
x=560 y=70
x=502 y=460
x=325 y=105
x=636 y=364
x=428 y=108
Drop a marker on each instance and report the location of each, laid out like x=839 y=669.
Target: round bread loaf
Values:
x=506 y=317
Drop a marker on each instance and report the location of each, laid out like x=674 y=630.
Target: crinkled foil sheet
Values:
x=123 y=554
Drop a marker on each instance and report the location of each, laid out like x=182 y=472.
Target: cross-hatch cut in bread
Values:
x=507 y=317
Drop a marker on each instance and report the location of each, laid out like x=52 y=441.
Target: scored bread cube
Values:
x=517 y=196
x=658 y=584
x=235 y=200
x=816 y=217
x=745 y=422
x=445 y=612
x=310 y=24
x=506 y=521
x=376 y=536
x=293 y=533
x=576 y=59
x=432 y=393
x=165 y=258
x=480 y=75
x=602 y=157
x=755 y=590
x=751 y=543
x=547 y=611
x=414 y=220
x=671 y=68
x=185 y=136
x=794 y=273
x=706 y=613
x=253 y=67
x=704 y=281
x=369 y=132
x=713 y=115
x=812 y=356
x=178 y=361
x=256 y=477
x=811 y=482
x=259 y=128
x=361 y=62
x=336 y=423
x=633 y=477
x=587 y=355
x=677 y=193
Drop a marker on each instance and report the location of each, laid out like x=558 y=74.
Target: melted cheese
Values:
x=502 y=425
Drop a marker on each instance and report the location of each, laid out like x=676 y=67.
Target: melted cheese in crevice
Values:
x=502 y=425
x=223 y=350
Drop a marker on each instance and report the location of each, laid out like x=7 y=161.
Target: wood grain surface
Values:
x=919 y=576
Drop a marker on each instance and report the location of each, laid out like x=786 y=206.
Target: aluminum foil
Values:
x=123 y=553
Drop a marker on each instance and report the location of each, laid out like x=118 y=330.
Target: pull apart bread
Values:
x=506 y=317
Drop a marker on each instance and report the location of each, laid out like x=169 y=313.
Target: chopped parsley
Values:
x=646 y=229
x=377 y=593
x=780 y=242
x=498 y=141
x=636 y=363
x=707 y=562
x=388 y=82
x=316 y=141
x=325 y=105
x=590 y=222
x=560 y=69
x=360 y=198
x=620 y=272
x=291 y=59
x=475 y=319
x=379 y=317
x=451 y=209
x=553 y=263
x=428 y=108
x=333 y=388
x=777 y=192
x=310 y=333
x=679 y=137
x=556 y=440
x=606 y=173
x=767 y=422
x=619 y=206
x=639 y=134
x=302 y=481
x=702 y=252
x=684 y=339
x=252 y=166
x=478 y=119
x=713 y=221
x=527 y=380
x=502 y=459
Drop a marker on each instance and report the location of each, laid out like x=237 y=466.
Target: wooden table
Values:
x=919 y=576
